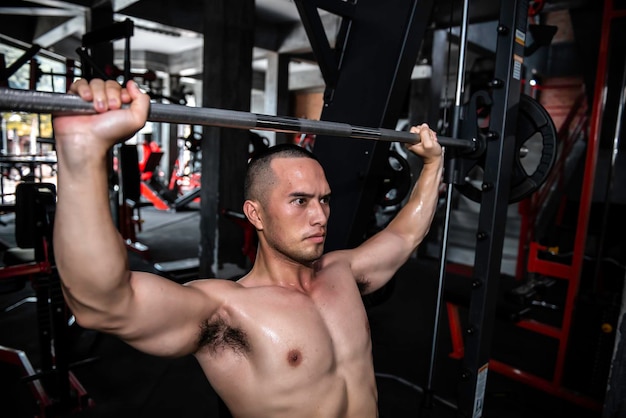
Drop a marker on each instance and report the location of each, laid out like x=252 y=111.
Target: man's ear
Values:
x=251 y=208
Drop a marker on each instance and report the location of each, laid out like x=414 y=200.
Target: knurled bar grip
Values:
x=68 y=104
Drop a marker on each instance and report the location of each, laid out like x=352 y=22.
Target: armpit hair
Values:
x=363 y=284
x=216 y=334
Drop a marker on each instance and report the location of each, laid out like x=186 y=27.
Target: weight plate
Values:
x=396 y=180
x=535 y=154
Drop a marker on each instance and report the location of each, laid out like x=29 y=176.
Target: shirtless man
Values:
x=291 y=338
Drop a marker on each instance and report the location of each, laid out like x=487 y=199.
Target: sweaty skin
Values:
x=291 y=338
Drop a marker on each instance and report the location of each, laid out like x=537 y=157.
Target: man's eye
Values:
x=325 y=200
x=299 y=201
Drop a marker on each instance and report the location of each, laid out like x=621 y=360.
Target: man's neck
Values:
x=282 y=272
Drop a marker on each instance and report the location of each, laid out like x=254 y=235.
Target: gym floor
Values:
x=123 y=382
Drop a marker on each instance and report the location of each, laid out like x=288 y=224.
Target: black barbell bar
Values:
x=68 y=104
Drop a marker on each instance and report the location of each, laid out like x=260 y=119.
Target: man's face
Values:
x=297 y=209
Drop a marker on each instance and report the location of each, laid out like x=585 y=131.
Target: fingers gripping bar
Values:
x=67 y=104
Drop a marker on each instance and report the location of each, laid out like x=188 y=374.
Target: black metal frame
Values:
x=499 y=155
x=367 y=77
x=328 y=59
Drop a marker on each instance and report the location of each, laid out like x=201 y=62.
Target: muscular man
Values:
x=291 y=338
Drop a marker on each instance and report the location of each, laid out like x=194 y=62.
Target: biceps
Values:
x=378 y=259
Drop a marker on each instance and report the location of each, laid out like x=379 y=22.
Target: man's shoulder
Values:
x=214 y=285
x=336 y=265
x=332 y=259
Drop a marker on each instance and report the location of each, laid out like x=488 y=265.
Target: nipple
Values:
x=294 y=357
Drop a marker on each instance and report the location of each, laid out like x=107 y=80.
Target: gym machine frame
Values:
x=499 y=154
x=54 y=387
x=568 y=272
x=571 y=272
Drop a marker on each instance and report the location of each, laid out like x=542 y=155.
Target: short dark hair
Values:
x=259 y=171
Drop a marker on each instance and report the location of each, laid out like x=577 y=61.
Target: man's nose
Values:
x=319 y=213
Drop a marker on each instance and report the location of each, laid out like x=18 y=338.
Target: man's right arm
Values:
x=151 y=313
x=377 y=259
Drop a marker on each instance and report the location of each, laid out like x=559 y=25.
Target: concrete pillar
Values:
x=227 y=84
x=277 y=91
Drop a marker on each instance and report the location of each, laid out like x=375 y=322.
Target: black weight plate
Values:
x=535 y=132
x=396 y=180
x=533 y=121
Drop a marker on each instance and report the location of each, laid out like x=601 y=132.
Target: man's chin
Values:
x=312 y=257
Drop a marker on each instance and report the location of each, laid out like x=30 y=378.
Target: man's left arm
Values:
x=377 y=259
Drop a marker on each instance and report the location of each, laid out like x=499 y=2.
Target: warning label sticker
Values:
x=520 y=37
x=517 y=67
x=481 y=384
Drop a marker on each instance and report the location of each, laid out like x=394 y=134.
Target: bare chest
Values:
x=291 y=331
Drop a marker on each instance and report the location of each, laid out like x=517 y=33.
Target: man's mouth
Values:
x=317 y=238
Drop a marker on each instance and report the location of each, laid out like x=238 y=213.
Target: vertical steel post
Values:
x=506 y=85
x=456 y=121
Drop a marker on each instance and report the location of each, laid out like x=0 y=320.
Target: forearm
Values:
x=90 y=254
x=414 y=220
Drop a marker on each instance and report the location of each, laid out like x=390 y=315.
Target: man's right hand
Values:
x=428 y=148
x=93 y=135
